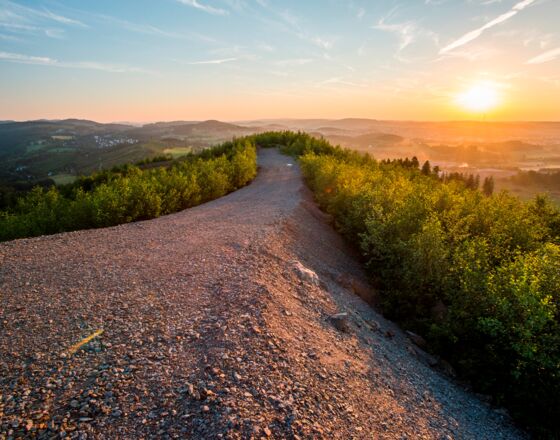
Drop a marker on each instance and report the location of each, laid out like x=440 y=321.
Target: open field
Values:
x=63 y=179
x=178 y=151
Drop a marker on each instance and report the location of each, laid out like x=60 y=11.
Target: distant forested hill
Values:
x=34 y=151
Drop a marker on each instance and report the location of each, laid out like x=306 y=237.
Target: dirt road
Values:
x=201 y=327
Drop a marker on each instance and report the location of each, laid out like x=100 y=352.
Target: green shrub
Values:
x=477 y=274
x=127 y=193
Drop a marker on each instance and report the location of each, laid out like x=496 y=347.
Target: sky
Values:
x=148 y=60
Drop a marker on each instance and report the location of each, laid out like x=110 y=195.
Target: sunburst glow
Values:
x=479 y=98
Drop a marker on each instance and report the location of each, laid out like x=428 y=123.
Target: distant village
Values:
x=110 y=141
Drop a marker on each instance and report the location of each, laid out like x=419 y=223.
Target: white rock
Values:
x=306 y=274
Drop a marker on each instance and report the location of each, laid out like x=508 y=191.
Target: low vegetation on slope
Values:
x=128 y=193
x=477 y=274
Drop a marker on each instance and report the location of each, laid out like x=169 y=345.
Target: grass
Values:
x=178 y=151
x=63 y=179
x=35 y=146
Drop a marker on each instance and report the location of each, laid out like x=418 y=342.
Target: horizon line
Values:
x=271 y=119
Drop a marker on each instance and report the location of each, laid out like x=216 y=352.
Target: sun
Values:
x=479 y=98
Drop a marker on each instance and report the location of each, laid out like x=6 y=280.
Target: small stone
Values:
x=417 y=339
x=306 y=274
x=205 y=408
x=340 y=322
x=267 y=431
x=74 y=403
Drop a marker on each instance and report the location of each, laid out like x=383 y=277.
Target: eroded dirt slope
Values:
x=209 y=332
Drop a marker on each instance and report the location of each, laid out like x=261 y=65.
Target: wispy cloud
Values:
x=203 y=7
x=23 y=20
x=408 y=32
x=18 y=12
x=322 y=43
x=55 y=33
x=61 y=19
x=147 y=29
x=471 y=54
x=474 y=34
x=405 y=31
x=219 y=61
x=545 y=57
x=26 y=59
x=8 y=37
x=284 y=20
x=88 y=65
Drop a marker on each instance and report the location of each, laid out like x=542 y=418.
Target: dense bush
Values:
x=478 y=275
x=127 y=193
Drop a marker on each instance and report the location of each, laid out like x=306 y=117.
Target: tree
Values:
x=470 y=182
x=427 y=168
x=488 y=186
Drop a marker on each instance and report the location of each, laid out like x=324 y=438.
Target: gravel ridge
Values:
x=209 y=331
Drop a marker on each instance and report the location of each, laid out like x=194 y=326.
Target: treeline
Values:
x=471 y=181
x=11 y=191
x=546 y=179
x=128 y=193
x=477 y=275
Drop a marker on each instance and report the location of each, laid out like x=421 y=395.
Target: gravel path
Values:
x=202 y=327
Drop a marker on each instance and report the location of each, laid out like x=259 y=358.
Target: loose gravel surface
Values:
x=204 y=324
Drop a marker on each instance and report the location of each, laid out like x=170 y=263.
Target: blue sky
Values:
x=151 y=60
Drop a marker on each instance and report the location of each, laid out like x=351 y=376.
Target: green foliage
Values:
x=488 y=186
x=128 y=193
x=155 y=159
x=547 y=178
x=477 y=274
